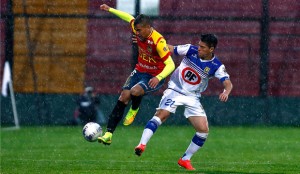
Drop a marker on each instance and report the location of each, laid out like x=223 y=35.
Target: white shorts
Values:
x=172 y=99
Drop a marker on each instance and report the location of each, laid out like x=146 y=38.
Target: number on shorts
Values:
x=169 y=102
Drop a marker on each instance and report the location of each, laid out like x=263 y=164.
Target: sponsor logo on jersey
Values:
x=165 y=49
x=190 y=76
x=214 y=63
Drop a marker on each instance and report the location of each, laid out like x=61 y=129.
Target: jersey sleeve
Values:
x=186 y=49
x=123 y=15
x=162 y=49
x=132 y=26
x=221 y=73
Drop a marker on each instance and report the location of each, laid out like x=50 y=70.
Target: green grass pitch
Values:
x=237 y=150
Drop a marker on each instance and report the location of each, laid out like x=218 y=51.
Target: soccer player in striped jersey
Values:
x=154 y=65
x=186 y=84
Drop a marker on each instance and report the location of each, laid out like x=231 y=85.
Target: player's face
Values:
x=204 y=51
x=142 y=31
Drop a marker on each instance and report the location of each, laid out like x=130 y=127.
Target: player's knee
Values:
x=206 y=129
x=162 y=114
x=124 y=97
x=202 y=128
x=137 y=91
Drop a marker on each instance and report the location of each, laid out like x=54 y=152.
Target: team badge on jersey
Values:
x=190 y=76
x=206 y=70
x=149 y=49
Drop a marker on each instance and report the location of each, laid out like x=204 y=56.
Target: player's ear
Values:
x=211 y=49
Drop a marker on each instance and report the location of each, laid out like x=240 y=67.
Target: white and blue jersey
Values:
x=192 y=75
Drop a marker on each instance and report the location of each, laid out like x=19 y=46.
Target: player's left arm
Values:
x=227 y=89
x=168 y=69
x=223 y=76
x=164 y=53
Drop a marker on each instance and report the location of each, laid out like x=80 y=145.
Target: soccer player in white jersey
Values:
x=186 y=84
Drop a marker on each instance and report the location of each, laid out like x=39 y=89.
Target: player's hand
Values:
x=134 y=39
x=153 y=82
x=223 y=97
x=104 y=7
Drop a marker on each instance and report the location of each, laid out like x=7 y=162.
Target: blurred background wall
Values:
x=58 y=47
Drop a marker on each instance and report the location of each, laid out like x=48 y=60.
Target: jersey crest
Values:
x=206 y=70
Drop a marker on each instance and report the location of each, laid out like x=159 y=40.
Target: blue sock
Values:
x=198 y=140
x=196 y=143
x=149 y=130
x=152 y=125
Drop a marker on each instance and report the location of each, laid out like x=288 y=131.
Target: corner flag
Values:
x=7 y=82
x=6 y=79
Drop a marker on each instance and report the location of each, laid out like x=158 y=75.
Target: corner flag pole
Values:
x=13 y=103
x=7 y=81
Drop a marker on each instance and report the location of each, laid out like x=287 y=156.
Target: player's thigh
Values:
x=200 y=123
x=144 y=83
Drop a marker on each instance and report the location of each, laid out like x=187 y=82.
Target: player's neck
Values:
x=209 y=57
x=151 y=31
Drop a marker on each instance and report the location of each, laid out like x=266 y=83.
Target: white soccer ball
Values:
x=91 y=131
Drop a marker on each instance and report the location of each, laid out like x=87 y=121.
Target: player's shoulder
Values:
x=157 y=37
x=216 y=61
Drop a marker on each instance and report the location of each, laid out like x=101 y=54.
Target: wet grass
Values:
x=256 y=150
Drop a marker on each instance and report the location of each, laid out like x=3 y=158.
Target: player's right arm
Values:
x=183 y=50
x=123 y=15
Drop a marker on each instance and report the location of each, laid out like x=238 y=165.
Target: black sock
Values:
x=115 y=116
x=136 y=101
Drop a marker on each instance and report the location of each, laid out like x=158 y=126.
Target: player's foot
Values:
x=130 y=116
x=139 y=149
x=185 y=164
x=106 y=138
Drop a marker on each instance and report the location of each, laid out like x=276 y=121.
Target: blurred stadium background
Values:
x=58 y=47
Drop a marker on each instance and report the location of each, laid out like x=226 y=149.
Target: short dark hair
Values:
x=142 y=19
x=210 y=39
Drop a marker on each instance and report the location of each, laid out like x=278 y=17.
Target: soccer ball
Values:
x=91 y=131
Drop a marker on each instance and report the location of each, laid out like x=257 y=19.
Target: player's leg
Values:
x=201 y=125
x=197 y=117
x=137 y=92
x=150 y=128
x=118 y=111
x=166 y=106
x=115 y=117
